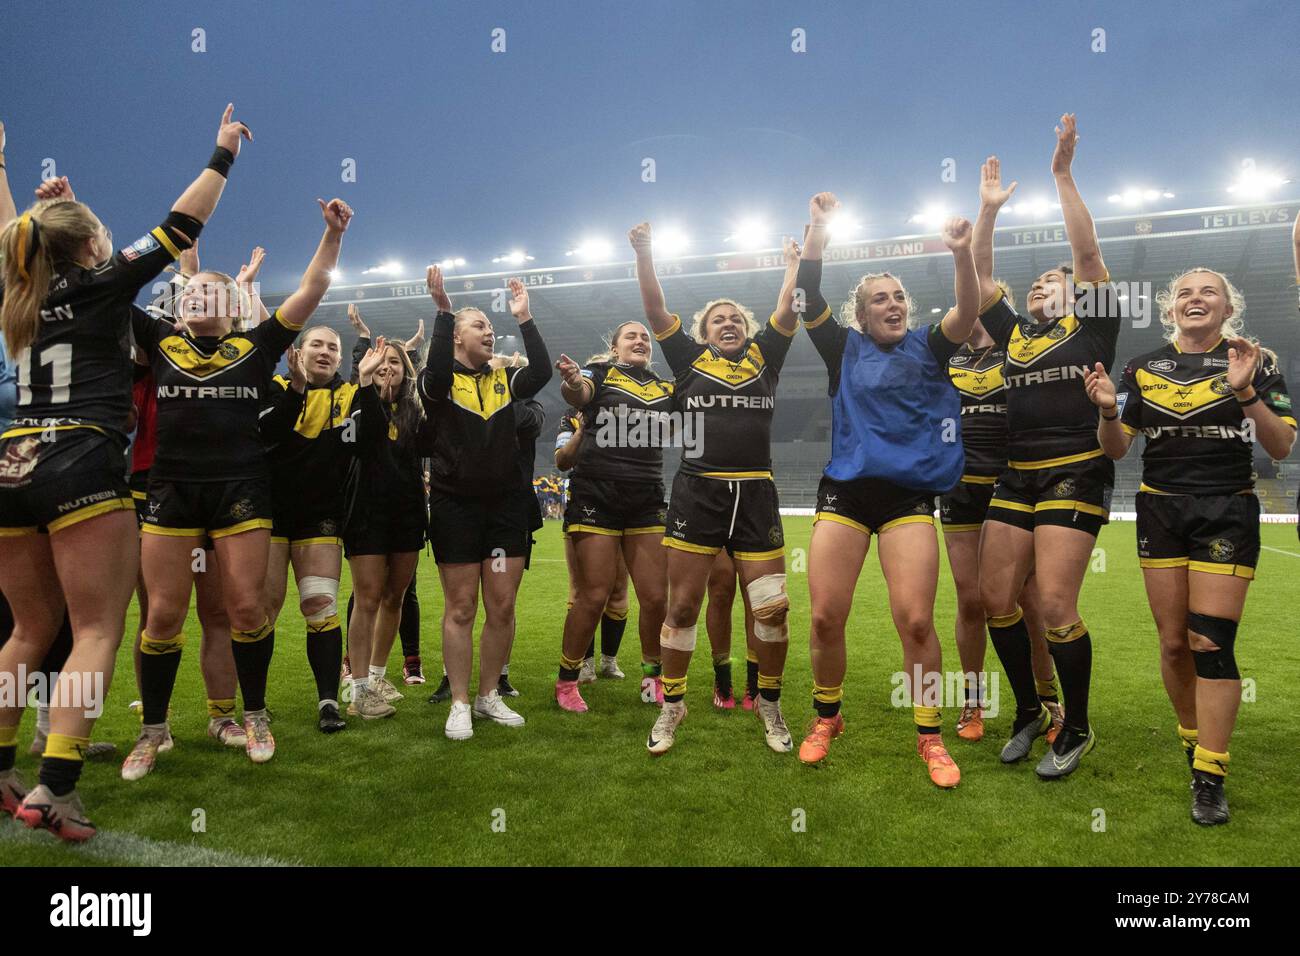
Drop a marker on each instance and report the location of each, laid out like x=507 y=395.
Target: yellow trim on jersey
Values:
x=735 y=475
x=677 y=324
x=181 y=354
x=758 y=555
x=1182 y=400
x=172 y=532
x=652 y=529
x=1130 y=431
x=1011 y=505
x=1054 y=462
x=1155 y=563
x=1152 y=491
x=467 y=392
x=840 y=519
x=252 y=524
x=285 y=322
x=1236 y=570
x=1217 y=343
x=978 y=480
x=687 y=546
x=651 y=392
x=1288 y=419
x=592 y=529
x=41 y=429
x=139 y=495
x=993 y=300
x=88 y=512
x=826 y=314
x=1025 y=351
x=906 y=519
x=982 y=383
x=960 y=528
x=1066 y=505
x=317 y=412
x=772 y=322
x=734 y=374
x=161 y=235
x=18 y=532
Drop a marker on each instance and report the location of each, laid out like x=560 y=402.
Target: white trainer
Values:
x=774 y=728
x=493 y=708
x=587 y=673
x=385 y=689
x=460 y=725
x=609 y=668
x=664 y=733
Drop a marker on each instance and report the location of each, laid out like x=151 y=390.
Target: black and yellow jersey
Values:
x=475 y=446
x=210 y=394
x=977 y=376
x=732 y=399
x=1050 y=419
x=627 y=424
x=78 y=371
x=390 y=478
x=311 y=438
x=1198 y=440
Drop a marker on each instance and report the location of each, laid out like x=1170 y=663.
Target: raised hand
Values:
x=373 y=358
x=433 y=280
x=354 y=319
x=55 y=189
x=249 y=270
x=1100 y=389
x=640 y=237
x=991 y=192
x=232 y=131
x=1243 y=362
x=1067 y=134
x=416 y=340
x=789 y=251
x=822 y=208
x=569 y=371
x=957 y=233
x=297 y=373
x=337 y=215
x=519 y=301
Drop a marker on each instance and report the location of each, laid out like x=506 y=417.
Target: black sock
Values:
x=158 y=676
x=973 y=692
x=252 y=662
x=1010 y=638
x=751 y=678
x=611 y=633
x=722 y=676
x=1073 y=661
x=409 y=627
x=61 y=775
x=325 y=654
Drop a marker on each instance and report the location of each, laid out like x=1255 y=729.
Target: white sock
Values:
x=43 y=720
x=331 y=703
x=377 y=672
x=505 y=671
x=360 y=685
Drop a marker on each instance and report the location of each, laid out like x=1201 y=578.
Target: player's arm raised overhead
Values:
x=992 y=199
x=1114 y=438
x=532 y=378
x=315 y=282
x=652 y=293
x=200 y=199
x=788 y=309
x=1079 y=228
x=434 y=380
x=247 y=282
x=959 y=322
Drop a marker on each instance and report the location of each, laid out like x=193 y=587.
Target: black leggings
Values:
x=409 y=628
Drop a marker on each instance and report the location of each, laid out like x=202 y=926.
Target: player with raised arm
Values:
x=66 y=514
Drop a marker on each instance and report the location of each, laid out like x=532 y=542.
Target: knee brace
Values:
x=677 y=638
x=313 y=586
x=1220 y=664
x=770 y=604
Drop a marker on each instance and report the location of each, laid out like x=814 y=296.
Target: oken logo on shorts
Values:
x=1221 y=549
x=76 y=909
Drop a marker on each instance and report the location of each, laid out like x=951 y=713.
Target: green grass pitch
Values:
x=570 y=789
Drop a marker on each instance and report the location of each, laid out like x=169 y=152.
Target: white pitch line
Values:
x=1280 y=551
x=131 y=850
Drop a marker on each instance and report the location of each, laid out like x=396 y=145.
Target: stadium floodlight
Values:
x=336 y=274
x=932 y=216
x=751 y=233
x=1135 y=196
x=516 y=257
x=1038 y=206
x=1255 y=183
x=935 y=311
x=844 y=227
x=451 y=263
x=390 y=268
x=593 y=250
x=670 y=241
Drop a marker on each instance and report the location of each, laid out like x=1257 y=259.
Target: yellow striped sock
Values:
x=751 y=655
x=65 y=747
x=674 y=686
x=926 y=716
x=828 y=695
x=1188 y=738
x=163 y=645
x=9 y=736
x=770 y=681
x=224 y=707
x=252 y=637
x=320 y=627
x=1207 y=761
x=570 y=664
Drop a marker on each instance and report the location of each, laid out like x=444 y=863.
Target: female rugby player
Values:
x=723 y=496
x=386 y=522
x=1203 y=402
x=1053 y=498
x=213 y=381
x=482 y=532
x=616 y=496
x=65 y=510
x=894 y=411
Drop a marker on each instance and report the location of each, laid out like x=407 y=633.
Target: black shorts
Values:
x=467 y=530
x=139 y=485
x=614 y=507
x=708 y=515
x=965 y=507
x=1073 y=495
x=1217 y=534
x=380 y=530
x=872 y=505
x=46 y=486
x=295 y=523
x=214 y=508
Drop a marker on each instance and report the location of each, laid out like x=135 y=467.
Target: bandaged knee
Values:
x=771 y=605
x=677 y=638
x=313 y=586
x=1222 y=663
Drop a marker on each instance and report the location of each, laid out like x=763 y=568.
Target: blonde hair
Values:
x=698 y=322
x=857 y=299
x=243 y=318
x=1232 y=325
x=51 y=232
x=1005 y=287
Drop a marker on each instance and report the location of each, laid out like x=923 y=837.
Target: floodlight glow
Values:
x=516 y=257
x=844 y=227
x=390 y=268
x=670 y=241
x=1254 y=183
x=1038 y=206
x=451 y=263
x=593 y=250
x=1134 y=196
x=750 y=233
x=932 y=216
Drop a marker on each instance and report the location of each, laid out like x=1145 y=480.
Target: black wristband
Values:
x=221 y=161
x=1110 y=418
x=1253 y=399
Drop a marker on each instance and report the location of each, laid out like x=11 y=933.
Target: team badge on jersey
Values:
x=141 y=247
x=1220 y=386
